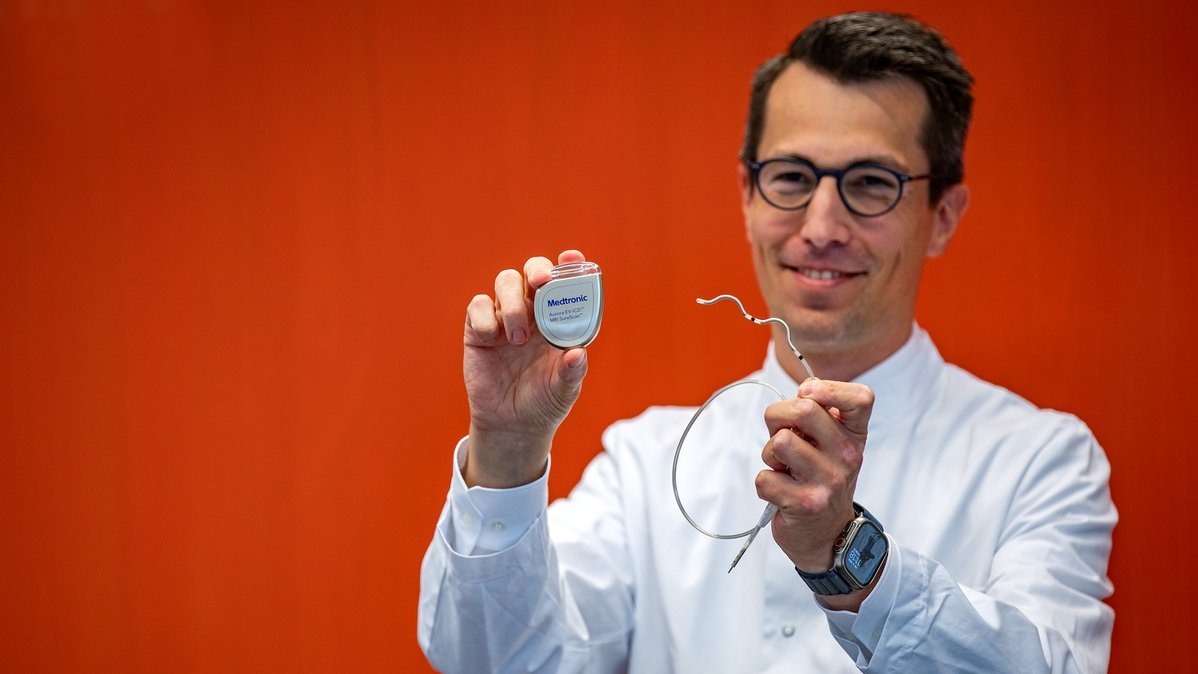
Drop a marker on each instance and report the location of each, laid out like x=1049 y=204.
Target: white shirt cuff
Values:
x=864 y=628
x=484 y=520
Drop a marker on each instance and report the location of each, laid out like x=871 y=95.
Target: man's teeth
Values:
x=821 y=275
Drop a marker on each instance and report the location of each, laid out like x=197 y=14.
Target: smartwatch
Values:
x=858 y=554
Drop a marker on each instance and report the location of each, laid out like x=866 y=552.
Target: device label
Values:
x=567 y=300
x=569 y=312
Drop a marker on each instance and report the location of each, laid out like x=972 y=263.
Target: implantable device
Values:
x=569 y=308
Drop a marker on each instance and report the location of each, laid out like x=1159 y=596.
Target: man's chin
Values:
x=813 y=330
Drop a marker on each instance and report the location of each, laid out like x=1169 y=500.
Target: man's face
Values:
x=846 y=284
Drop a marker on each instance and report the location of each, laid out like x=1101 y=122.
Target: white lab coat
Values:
x=998 y=515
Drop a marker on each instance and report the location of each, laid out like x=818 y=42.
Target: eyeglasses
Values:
x=867 y=189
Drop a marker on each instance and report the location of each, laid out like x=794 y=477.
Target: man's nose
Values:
x=827 y=221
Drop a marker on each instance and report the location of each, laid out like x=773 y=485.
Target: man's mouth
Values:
x=822 y=274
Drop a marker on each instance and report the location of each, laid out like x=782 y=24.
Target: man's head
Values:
x=867 y=46
x=850 y=123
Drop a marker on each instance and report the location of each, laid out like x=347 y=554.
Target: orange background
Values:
x=237 y=241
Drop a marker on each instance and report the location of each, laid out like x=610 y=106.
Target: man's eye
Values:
x=871 y=180
x=791 y=180
x=793 y=177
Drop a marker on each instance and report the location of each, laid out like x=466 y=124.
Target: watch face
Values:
x=865 y=554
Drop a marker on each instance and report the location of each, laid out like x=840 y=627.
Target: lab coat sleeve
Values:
x=1042 y=609
x=536 y=605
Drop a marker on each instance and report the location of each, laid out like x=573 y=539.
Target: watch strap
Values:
x=826 y=583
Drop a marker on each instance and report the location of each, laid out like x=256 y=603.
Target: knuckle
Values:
x=838 y=482
x=817 y=499
x=848 y=456
x=536 y=264
x=768 y=487
x=486 y=333
x=863 y=397
x=508 y=279
x=511 y=312
x=798 y=503
x=853 y=461
x=854 y=458
x=480 y=315
x=783 y=440
x=806 y=407
x=761 y=482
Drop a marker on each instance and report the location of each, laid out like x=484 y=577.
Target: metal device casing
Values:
x=569 y=308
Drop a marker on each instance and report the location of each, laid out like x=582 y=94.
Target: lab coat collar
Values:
x=900 y=383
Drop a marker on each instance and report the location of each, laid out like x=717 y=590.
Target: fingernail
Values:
x=578 y=363
x=519 y=336
x=806 y=388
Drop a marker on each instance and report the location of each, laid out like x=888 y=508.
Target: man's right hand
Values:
x=520 y=388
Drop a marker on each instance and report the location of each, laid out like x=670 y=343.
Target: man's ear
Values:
x=948 y=213
x=744 y=179
x=746 y=189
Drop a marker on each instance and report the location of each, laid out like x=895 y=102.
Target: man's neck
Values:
x=837 y=364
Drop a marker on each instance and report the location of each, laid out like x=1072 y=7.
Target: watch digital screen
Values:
x=866 y=554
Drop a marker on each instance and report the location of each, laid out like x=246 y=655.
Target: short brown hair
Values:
x=865 y=46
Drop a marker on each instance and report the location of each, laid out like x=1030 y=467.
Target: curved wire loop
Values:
x=678 y=453
x=770 y=509
x=762 y=321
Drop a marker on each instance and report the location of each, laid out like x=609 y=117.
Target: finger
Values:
x=482 y=325
x=792 y=496
x=536 y=271
x=803 y=415
x=808 y=439
x=772 y=485
x=570 y=255
x=790 y=453
x=512 y=306
x=851 y=403
x=774 y=449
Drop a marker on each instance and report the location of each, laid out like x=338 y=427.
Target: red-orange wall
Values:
x=237 y=240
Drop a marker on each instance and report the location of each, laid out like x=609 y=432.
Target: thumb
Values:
x=851 y=403
x=571 y=369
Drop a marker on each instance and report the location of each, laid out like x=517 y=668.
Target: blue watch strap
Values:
x=826 y=583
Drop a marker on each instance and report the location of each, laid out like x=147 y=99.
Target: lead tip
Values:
x=737 y=560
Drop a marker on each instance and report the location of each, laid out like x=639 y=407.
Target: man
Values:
x=997 y=516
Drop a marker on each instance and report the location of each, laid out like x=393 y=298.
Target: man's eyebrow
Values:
x=886 y=160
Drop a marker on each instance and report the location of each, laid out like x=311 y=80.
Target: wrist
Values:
x=858 y=557
x=853 y=600
x=818 y=554
x=502 y=460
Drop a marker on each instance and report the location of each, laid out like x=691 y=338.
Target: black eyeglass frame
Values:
x=902 y=178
